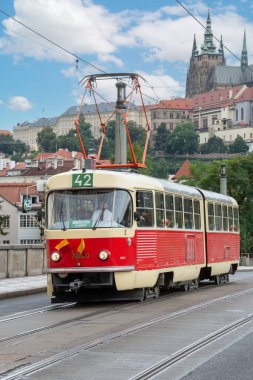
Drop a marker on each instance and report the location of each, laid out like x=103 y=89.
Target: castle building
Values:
x=208 y=70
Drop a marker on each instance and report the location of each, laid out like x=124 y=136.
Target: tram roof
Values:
x=130 y=180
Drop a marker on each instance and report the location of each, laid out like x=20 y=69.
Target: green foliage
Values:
x=214 y=145
x=9 y=146
x=184 y=139
x=239 y=185
x=3 y=218
x=238 y=146
x=46 y=140
x=161 y=138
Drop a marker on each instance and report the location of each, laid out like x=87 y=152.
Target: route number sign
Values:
x=82 y=180
x=27 y=203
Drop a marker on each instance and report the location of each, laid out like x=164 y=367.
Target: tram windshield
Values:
x=72 y=209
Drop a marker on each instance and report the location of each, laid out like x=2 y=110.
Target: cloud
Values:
x=94 y=32
x=19 y=103
x=80 y=27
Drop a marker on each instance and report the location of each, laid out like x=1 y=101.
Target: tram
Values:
x=122 y=235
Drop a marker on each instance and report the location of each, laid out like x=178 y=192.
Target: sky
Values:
x=151 y=38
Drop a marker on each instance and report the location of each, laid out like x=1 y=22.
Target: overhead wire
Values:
x=52 y=42
x=80 y=59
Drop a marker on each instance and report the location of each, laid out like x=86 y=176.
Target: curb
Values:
x=25 y=292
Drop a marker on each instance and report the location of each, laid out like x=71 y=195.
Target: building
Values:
x=21 y=228
x=225 y=113
x=27 y=132
x=171 y=113
x=208 y=69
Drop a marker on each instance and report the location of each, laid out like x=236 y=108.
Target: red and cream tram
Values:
x=119 y=234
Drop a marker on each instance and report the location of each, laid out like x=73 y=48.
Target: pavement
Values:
x=20 y=286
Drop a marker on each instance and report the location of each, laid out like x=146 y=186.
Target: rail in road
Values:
x=115 y=313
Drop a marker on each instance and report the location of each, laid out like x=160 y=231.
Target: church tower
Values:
x=203 y=62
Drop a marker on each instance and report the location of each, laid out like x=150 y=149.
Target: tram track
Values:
x=181 y=354
x=43 y=364
x=87 y=315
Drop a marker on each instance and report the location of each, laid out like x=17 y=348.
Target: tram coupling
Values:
x=76 y=284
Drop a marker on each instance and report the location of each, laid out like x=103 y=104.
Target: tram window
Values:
x=170 y=219
x=145 y=206
x=179 y=212
x=197 y=215
x=211 y=216
x=81 y=209
x=160 y=215
x=225 y=217
x=236 y=219
x=218 y=217
x=230 y=218
x=123 y=209
x=188 y=213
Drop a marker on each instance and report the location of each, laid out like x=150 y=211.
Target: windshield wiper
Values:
x=100 y=216
x=62 y=217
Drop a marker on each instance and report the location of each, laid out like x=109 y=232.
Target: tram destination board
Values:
x=82 y=180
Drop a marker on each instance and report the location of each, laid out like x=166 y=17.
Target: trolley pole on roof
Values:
x=120 y=131
x=223 y=180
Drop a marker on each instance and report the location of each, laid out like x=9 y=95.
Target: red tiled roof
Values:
x=216 y=98
x=184 y=171
x=61 y=153
x=18 y=166
x=5 y=132
x=178 y=103
x=12 y=191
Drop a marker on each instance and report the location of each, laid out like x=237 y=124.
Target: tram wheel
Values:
x=156 y=291
x=185 y=287
x=217 y=279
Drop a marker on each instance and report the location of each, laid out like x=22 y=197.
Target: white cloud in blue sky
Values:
x=152 y=38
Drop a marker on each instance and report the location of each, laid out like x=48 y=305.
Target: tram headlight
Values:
x=55 y=256
x=103 y=255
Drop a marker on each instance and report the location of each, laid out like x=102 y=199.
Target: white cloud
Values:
x=19 y=103
x=1 y=102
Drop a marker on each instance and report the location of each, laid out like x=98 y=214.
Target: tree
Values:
x=9 y=146
x=239 y=184
x=3 y=218
x=161 y=138
x=238 y=146
x=184 y=139
x=214 y=145
x=46 y=140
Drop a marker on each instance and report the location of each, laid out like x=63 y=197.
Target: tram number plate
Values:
x=82 y=180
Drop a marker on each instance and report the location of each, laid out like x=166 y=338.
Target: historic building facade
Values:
x=208 y=69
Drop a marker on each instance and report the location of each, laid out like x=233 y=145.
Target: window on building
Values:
x=6 y=222
x=28 y=220
x=196 y=124
x=205 y=125
x=165 y=115
x=30 y=241
x=154 y=115
x=236 y=115
x=171 y=126
x=178 y=115
x=6 y=241
x=242 y=114
x=214 y=120
x=171 y=115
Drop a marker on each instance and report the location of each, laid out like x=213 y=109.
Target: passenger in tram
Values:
x=102 y=217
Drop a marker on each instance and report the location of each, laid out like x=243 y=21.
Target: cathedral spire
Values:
x=221 y=50
x=194 y=47
x=244 y=57
x=208 y=47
